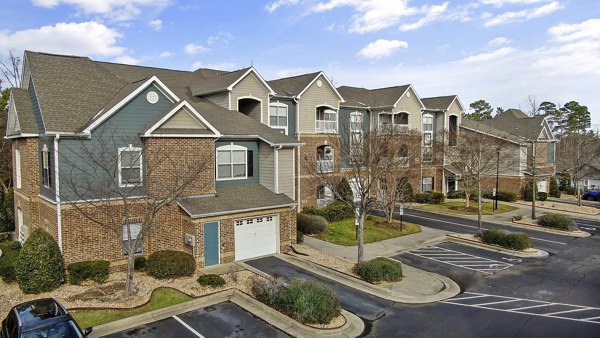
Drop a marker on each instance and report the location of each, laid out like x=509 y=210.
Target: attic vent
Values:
x=407 y=94
x=152 y=97
x=319 y=83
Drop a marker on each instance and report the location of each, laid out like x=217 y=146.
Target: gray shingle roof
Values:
x=380 y=97
x=81 y=95
x=24 y=111
x=518 y=123
x=439 y=102
x=232 y=199
x=488 y=129
x=205 y=81
x=292 y=86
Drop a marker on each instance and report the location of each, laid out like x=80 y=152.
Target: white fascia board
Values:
x=341 y=99
x=406 y=91
x=133 y=94
x=252 y=70
x=182 y=104
x=20 y=136
x=262 y=139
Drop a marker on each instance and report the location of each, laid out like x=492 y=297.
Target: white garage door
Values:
x=255 y=237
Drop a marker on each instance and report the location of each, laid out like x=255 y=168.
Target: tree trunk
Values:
x=577 y=192
x=479 y=207
x=130 y=264
x=361 y=240
x=533 y=196
x=390 y=214
x=468 y=201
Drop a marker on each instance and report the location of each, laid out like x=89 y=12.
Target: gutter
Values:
x=220 y=213
x=57 y=193
x=298 y=149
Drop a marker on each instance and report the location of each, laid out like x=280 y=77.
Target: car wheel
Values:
x=590 y=198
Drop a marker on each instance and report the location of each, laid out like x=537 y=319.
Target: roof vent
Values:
x=319 y=83
x=152 y=97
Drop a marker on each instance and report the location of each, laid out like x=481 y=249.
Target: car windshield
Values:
x=66 y=329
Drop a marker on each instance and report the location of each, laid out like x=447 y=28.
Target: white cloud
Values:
x=483 y=57
x=381 y=48
x=432 y=14
x=85 y=38
x=155 y=24
x=218 y=65
x=500 y=3
x=192 y=49
x=499 y=41
x=126 y=59
x=573 y=32
x=166 y=54
x=523 y=15
x=118 y=10
x=223 y=37
x=273 y=6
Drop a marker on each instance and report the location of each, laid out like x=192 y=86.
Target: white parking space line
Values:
x=489 y=301
x=460 y=259
x=188 y=327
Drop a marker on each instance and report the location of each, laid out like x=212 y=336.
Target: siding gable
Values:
x=455 y=108
x=251 y=87
x=313 y=97
x=411 y=103
x=12 y=123
x=39 y=120
x=183 y=120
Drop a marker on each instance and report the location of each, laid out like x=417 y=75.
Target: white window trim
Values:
x=278 y=104
x=18 y=168
x=131 y=148
x=423 y=183
x=327 y=107
x=332 y=161
x=354 y=151
x=133 y=237
x=231 y=148
x=45 y=166
x=327 y=196
x=392 y=114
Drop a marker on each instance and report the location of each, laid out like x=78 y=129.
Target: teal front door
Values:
x=211 y=243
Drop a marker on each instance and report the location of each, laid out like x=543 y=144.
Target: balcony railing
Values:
x=324 y=166
x=326 y=126
x=387 y=128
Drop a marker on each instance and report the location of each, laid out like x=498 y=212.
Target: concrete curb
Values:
x=449 y=289
x=537 y=254
x=560 y=209
x=353 y=327
x=578 y=233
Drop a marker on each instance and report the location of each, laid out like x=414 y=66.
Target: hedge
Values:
x=527 y=193
x=311 y=224
x=309 y=302
x=211 y=280
x=429 y=197
x=170 y=264
x=8 y=261
x=40 y=265
x=513 y=241
x=379 y=269
x=502 y=196
x=96 y=271
x=334 y=212
x=139 y=263
x=557 y=221
x=554 y=190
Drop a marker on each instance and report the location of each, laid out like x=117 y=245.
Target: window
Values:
x=324 y=159
x=427 y=137
x=278 y=116
x=453 y=130
x=324 y=196
x=20 y=226
x=134 y=229
x=356 y=133
x=130 y=166
x=403 y=155
x=427 y=184
x=326 y=121
x=231 y=162
x=550 y=153
x=18 y=168
x=393 y=122
x=45 y=166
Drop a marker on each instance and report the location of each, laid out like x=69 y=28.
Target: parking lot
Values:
x=221 y=320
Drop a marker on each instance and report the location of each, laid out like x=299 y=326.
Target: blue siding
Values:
x=292 y=107
x=344 y=126
x=47 y=192
x=120 y=130
x=36 y=108
x=250 y=145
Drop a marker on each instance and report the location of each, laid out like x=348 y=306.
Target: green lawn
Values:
x=458 y=208
x=376 y=229
x=160 y=298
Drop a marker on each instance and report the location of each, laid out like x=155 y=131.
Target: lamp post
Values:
x=497 y=173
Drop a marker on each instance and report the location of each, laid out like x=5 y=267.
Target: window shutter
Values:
x=250 y=163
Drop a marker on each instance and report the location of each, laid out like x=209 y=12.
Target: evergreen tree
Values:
x=482 y=110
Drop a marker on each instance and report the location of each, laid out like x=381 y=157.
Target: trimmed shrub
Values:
x=379 y=269
x=556 y=221
x=3 y=237
x=299 y=237
x=502 y=196
x=518 y=217
x=570 y=191
x=554 y=191
x=542 y=196
x=455 y=194
x=96 y=271
x=8 y=261
x=7 y=218
x=309 y=302
x=334 y=212
x=344 y=191
x=311 y=224
x=139 y=263
x=40 y=265
x=211 y=280
x=513 y=241
x=429 y=197
x=170 y=264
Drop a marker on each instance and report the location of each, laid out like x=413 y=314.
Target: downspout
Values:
x=57 y=193
x=276 y=160
x=298 y=147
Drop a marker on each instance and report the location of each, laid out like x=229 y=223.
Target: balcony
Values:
x=389 y=128
x=325 y=166
x=326 y=126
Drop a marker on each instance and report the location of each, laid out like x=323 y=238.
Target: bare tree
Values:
x=363 y=158
x=11 y=69
x=116 y=182
x=577 y=153
x=477 y=156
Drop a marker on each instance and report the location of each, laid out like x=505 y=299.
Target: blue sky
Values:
x=503 y=51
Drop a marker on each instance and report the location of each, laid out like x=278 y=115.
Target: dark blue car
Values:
x=591 y=195
x=41 y=318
